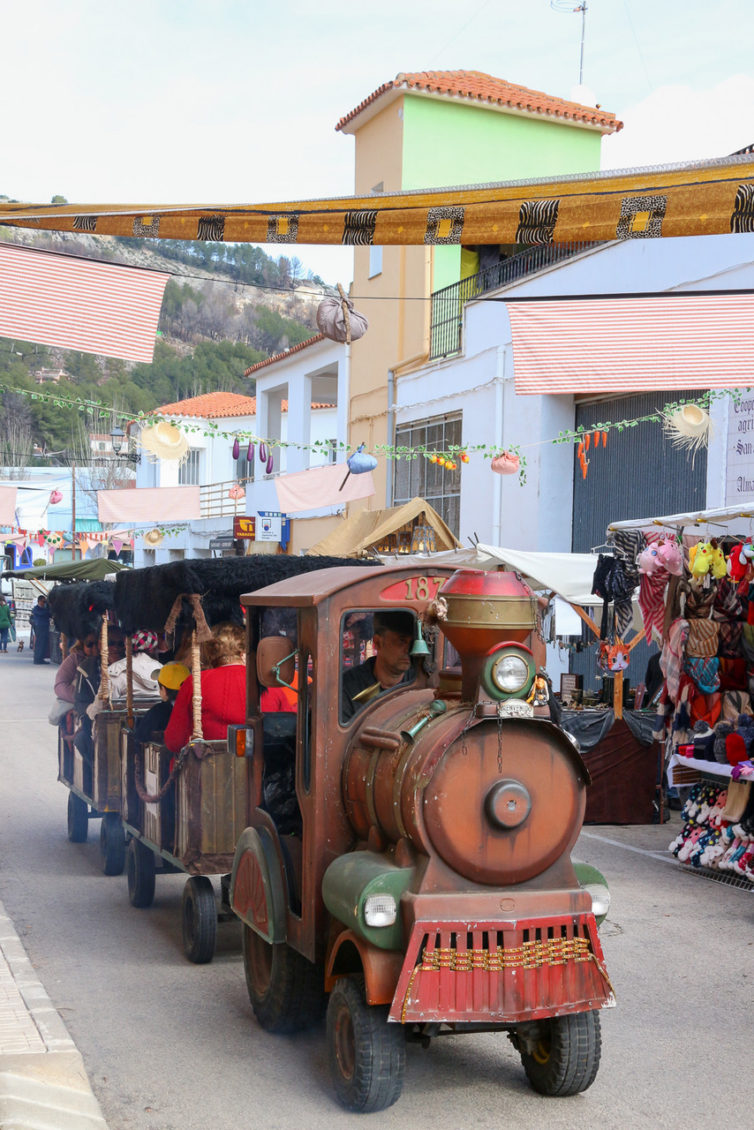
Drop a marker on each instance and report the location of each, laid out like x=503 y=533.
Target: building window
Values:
x=245 y=467
x=332 y=451
x=188 y=472
x=418 y=478
x=375 y=261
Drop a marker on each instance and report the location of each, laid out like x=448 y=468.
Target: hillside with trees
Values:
x=225 y=307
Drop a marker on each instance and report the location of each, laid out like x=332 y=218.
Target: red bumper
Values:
x=501 y=973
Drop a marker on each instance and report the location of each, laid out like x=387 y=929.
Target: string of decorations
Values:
x=685 y=422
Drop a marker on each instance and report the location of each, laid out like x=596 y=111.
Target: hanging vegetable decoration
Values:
x=506 y=463
x=55 y=497
x=270 y=463
x=250 y=453
x=359 y=463
x=236 y=448
x=584 y=445
x=262 y=453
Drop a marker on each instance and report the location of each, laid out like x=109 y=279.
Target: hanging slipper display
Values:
x=359 y=463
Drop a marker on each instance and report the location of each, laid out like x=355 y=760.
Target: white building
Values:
x=296 y=405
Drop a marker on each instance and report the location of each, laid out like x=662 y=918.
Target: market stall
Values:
x=616 y=743
x=697 y=599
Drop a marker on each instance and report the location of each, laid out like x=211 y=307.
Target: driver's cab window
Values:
x=278 y=670
x=376 y=656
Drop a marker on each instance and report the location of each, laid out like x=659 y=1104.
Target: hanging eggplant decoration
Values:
x=270 y=464
x=236 y=448
x=262 y=453
x=250 y=453
x=359 y=463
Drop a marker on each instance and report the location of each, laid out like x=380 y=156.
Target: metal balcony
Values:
x=448 y=303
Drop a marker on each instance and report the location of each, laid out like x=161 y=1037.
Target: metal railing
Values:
x=448 y=303
x=215 y=500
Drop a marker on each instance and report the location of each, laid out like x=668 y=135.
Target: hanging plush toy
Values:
x=671 y=556
x=741 y=557
x=649 y=560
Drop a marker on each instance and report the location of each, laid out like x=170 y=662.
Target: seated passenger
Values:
x=143 y=667
x=67 y=676
x=170 y=678
x=223 y=687
x=393 y=635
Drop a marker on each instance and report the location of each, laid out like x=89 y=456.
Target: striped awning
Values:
x=702 y=198
x=630 y=345
x=53 y=299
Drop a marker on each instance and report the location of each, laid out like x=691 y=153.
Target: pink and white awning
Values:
x=631 y=345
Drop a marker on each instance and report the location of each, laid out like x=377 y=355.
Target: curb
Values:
x=43 y=1082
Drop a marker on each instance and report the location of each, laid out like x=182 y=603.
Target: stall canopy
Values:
x=95 y=569
x=567 y=574
x=695 y=198
x=371 y=529
x=707 y=522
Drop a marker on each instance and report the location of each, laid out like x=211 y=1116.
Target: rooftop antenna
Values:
x=568 y=6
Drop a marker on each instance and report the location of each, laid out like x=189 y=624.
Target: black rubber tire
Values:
x=567 y=1056
x=140 y=872
x=367 y=1054
x=286 y=991
x=199 y=913
x=112 y=844
x=78 y=819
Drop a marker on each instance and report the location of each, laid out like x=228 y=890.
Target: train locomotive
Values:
x=426 y=885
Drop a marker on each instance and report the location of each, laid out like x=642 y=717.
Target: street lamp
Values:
x=117 y=435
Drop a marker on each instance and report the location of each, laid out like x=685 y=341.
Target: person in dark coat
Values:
x=389 y=666
x=40 y=622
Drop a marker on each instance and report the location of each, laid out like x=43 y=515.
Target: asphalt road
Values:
x=173 y=1046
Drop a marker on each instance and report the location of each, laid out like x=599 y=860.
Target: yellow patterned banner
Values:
x=709 y=198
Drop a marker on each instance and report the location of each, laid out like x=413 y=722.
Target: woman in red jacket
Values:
x=223 y=690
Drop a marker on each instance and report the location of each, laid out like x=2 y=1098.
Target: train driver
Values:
x=393 y=635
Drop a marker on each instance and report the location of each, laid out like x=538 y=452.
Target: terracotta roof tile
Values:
x=484 y=88
x=285 y=353
x=212 y=405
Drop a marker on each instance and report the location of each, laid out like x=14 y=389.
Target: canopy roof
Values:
x=359 y=533
x=567 y=574
x=693 y=198
x=703 y=521
x=94 y=569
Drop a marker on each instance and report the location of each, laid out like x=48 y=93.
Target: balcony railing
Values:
x=448 y=303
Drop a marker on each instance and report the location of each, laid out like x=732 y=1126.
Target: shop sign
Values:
x=269 y=525
x=243 y=527
x=739 y=451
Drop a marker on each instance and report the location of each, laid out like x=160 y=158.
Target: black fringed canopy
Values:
x=144 y=598
x=77 y=609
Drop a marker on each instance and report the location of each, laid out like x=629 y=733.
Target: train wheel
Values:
x=367 y=1054
x=78 y=819
x=286 y=991
x=112 y=844
x=199 y=920
x=565 y=1058
x=140 y=872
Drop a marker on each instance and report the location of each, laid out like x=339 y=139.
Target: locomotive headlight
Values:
x=510 y=674
x=508 y=671
x=380 y=910
x=600 y=900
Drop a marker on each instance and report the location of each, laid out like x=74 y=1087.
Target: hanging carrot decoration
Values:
x=587 y=441
x=596 y=438
x=580 y=450
x=604 y=439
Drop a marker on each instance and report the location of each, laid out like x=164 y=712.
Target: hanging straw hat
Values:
x=688 y=427
x=153 y=538
x=165 y=440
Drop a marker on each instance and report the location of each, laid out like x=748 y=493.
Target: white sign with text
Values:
x=739 y=452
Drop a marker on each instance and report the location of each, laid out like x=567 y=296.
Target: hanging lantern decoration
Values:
x=236 y=448
x=359 y=463
x=55 y=497
x=507 y=463
x=236 y=491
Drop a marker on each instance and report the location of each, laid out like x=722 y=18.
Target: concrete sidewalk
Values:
x=43 y=1083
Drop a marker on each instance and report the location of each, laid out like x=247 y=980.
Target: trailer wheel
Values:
x=78 y=819
x=199 y=919
x=286 y=991
x=367 y=1054
x=566 y=1056
x=140 y=872
x=112 y=844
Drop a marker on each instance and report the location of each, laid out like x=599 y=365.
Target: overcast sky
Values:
x=231 y=101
